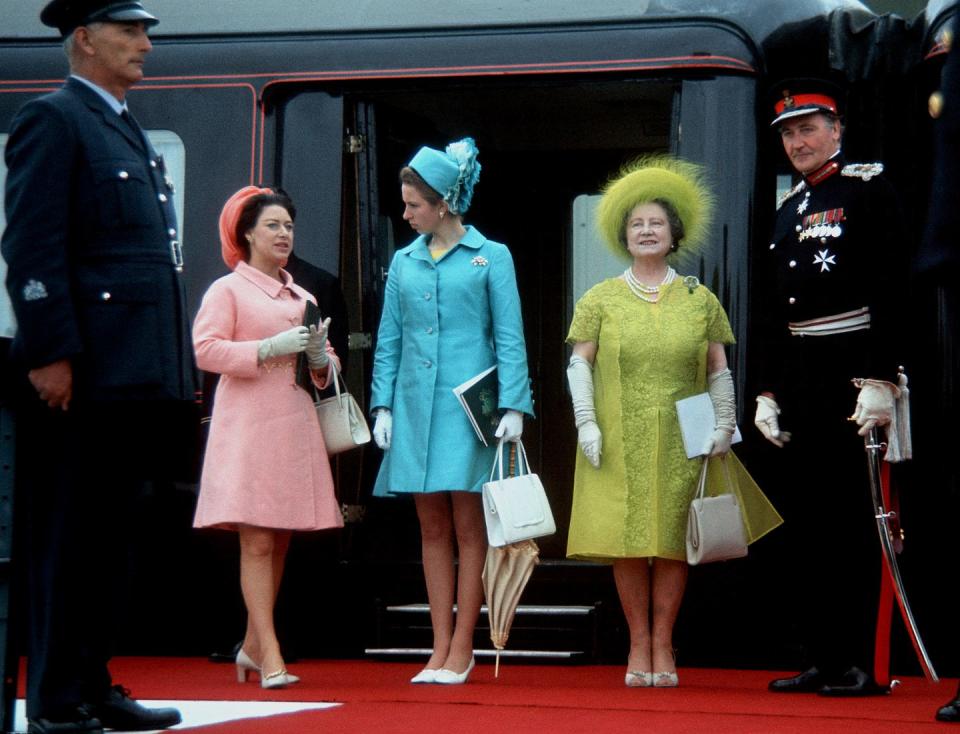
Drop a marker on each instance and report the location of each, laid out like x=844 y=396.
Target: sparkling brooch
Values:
x=479 y=261
x=691 y=282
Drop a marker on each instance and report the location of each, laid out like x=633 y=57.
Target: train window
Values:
x=170 y=145
x=591 y=260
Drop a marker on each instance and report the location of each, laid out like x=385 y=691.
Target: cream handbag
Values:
x=714 y=524
x=515 y=508
x=341 y=420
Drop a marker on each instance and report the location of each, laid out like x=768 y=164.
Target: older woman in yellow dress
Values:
x=642 y=341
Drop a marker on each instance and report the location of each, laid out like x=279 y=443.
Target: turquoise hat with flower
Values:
x=452 y=173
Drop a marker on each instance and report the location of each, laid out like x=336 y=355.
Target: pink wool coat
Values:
x=266 y=463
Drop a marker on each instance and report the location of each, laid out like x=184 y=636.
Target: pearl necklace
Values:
x=648 y=293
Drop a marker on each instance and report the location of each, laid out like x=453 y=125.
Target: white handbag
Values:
x=714 y=525
x=341 y=420
x=515 y=508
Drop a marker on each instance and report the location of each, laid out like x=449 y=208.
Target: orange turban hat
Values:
x=230 y=249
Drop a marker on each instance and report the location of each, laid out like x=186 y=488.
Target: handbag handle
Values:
x=702 y=483
x=523 y=467
x=337 y=379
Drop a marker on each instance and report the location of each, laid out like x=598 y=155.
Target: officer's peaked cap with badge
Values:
x=797 y=97
x=68 y=15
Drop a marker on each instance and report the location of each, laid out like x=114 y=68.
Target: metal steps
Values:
x=539 y=632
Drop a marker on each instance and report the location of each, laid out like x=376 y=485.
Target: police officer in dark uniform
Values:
x=103 y=345
x=827 y=291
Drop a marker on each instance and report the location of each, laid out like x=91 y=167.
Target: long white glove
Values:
x=723 y=397
x=316 y=348
x=511 y=426
x=580 y=379
x=383 y=428
x=291 y=341
x=768 y=423
x=876 y=404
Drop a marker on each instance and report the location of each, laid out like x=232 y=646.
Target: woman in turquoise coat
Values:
x=451 y=310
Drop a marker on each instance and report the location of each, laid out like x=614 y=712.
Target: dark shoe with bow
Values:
x=855 y=682
x=809 y=681
x=119 y=711
x=950 y=711
x=69 y=720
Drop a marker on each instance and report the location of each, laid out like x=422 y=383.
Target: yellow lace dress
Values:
x=649 y=356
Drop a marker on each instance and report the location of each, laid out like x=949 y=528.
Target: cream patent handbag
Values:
x=341 y=420
x=515 y=508
x=715 y=524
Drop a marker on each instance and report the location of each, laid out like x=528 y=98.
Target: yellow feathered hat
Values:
x=680 y=182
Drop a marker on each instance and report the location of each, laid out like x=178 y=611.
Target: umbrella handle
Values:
x=496 y=667
x=513 y=459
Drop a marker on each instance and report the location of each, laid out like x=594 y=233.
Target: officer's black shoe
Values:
x=950 y=711
x=119 y=711
x=70 y=720
x=809 y=681
x=855 y=682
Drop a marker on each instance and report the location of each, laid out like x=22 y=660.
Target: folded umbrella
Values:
x=505 y=574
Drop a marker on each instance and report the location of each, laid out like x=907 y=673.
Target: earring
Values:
x=442 y=212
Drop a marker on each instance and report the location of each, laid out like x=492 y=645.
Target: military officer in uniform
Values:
x=103 y=347
x=827 y=295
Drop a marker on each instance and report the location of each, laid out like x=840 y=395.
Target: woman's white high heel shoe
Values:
x=427 y=675
x=278 y=679
x=448 y=677
x=245 y=666
x=638 y=679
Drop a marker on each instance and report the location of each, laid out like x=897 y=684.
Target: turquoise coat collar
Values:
x=418 y=248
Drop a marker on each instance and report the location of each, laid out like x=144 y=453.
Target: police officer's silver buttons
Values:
x=799 y=228
x=163 y=198
x=105 y=296
x=793 y=263
x=791 y=300
x=123 y=175
x=172 y=232
x=153 y=164
x=773 y=245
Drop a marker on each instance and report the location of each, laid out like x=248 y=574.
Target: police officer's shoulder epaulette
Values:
x=792 y=192
x=864 y=171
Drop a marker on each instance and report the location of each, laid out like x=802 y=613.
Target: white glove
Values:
x=291 y=341
x=723 y=397
x=511 y=426
x=876 y=404
x=580 y=379
x=316 y=348
x=768 y=423
x=383 y=428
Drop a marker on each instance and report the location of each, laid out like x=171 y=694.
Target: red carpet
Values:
x=537 y=699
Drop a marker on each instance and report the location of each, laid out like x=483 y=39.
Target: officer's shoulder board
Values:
x=792 y=192
x=864 y=171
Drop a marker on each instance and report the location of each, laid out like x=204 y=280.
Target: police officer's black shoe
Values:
x=950 y=711
x=855 y=682
x=809 y=681
x=69 y=720
x=119 y=711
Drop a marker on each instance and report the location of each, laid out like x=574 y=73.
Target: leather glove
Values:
x=383 y=428
x=723 y=397
x=511 y=426
x=768 y=423
x=580 y=379
x=291 y=341
x=876 y=404
x=316 y=349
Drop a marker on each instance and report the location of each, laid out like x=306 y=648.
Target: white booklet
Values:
x=697 y=421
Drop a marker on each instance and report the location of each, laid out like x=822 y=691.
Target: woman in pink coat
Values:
x=249 y=330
